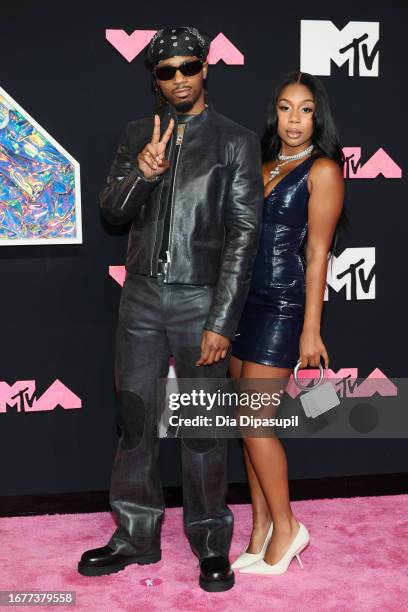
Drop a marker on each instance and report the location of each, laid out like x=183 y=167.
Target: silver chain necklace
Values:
x=285 y=159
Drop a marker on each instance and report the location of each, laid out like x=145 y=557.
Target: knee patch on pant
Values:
x=200 y=445
x=132 y=416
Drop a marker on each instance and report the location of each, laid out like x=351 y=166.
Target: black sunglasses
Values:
x=165 y=73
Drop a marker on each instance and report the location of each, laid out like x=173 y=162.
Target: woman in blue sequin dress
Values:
x=304 y=191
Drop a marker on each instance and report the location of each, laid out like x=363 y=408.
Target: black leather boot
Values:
x=104 y=560
x=216 y=574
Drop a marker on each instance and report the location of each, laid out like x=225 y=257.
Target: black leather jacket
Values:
x=216 y=208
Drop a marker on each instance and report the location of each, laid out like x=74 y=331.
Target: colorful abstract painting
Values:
x=40 y=199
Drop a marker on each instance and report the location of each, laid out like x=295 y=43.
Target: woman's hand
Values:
x=311 y=347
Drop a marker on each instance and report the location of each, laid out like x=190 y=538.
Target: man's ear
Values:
x=205 y=70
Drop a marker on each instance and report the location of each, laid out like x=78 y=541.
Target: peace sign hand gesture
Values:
x=151 y=160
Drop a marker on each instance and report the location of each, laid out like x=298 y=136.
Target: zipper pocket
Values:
x=130 y=192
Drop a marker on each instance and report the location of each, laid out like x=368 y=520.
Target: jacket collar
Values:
x=169 y=112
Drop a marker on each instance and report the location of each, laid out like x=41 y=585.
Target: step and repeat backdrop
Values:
x=71 y=77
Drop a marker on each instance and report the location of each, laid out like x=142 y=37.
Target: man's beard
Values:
x=184 y=107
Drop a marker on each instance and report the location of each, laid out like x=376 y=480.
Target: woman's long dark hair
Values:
x=325 y=136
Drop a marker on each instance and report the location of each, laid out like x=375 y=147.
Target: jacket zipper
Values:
x=157 y=218
x=158 y=210
x=168 y=258
x=130 y=191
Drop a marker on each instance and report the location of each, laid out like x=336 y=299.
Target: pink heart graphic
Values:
x=129 y=45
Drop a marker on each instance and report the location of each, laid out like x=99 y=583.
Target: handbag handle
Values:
x=295 y=376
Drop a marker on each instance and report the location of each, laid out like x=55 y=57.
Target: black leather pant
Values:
x=156 y=321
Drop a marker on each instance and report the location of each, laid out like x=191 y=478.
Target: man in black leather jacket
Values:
x=196 y=219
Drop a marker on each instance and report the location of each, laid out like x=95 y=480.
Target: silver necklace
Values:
x=285 y=159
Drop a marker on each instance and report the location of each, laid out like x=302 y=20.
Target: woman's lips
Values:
x=293 y=133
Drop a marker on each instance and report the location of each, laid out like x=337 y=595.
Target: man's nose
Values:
x=179 y=77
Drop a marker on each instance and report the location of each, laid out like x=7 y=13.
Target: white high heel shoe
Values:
x=300 y=542
x=249 y=558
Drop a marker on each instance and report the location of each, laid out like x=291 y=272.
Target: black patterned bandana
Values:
x=178 y=41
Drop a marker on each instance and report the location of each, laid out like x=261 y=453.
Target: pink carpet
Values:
x=356 y=561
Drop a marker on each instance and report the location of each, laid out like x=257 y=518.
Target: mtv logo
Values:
x=22 y=395
x=355 y=270
x=379 y=163
x=356 y=45
x=345 y=379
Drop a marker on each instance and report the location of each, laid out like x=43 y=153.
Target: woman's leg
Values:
x=261 y=518
x=269 y=463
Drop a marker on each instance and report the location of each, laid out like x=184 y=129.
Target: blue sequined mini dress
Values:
x=272 y=319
